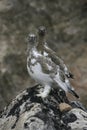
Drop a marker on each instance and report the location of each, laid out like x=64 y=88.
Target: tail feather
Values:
x=70 y=75
x=66 y=87
x=74 y=93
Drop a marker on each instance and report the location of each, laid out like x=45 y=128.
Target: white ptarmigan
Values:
x=45 y=67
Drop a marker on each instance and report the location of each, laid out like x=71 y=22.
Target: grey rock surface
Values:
x=29 y=112
x=66 y=22
x=81 y=122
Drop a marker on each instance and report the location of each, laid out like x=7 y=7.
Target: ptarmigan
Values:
x=45 y=67
x=54 y=58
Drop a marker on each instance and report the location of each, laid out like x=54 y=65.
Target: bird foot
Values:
x=42 y=95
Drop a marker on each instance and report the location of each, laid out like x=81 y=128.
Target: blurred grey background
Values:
x=66 y=22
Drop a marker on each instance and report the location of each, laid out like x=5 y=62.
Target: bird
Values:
x=41 y=33
x=45 y=67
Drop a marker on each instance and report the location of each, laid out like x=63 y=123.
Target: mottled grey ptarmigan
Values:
x=56 y=59
x=45 y=67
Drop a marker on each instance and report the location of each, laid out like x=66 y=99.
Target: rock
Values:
x=64 y=107
x=66 y=22
x=29 y=112
x=81 y=122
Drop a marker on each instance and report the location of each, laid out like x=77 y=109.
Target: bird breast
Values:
x=35 y=71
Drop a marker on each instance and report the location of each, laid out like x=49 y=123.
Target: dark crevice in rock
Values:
x=67 y=118
x=17 y=118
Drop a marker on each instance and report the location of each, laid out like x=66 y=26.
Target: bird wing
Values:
x=58 y=61
x=48 y=67
x=58 y=76
x=62 y=80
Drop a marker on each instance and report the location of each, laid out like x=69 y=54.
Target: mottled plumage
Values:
x=45 y=67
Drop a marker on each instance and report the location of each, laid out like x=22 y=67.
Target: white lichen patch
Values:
x=81 y=121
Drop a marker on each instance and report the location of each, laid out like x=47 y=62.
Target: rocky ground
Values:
x=56 y=112
x=66 y=22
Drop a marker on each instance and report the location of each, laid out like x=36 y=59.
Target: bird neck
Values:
x=30 y=46
x=40 y=45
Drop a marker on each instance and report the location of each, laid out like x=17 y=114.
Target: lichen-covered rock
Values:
x=29 y=112
x=66 y=22
x=81 y=122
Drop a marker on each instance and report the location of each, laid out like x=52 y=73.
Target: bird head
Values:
x=32 y=39
x=42 y=30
